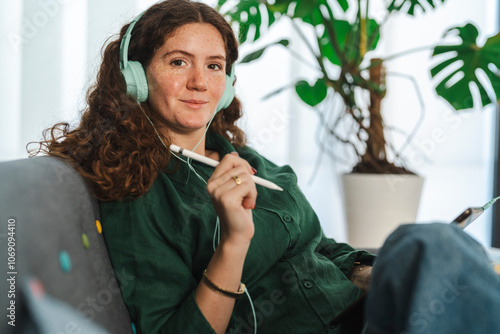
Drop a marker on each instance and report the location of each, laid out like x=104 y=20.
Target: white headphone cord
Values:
x=216 y=236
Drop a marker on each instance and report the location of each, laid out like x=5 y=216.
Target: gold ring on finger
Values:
x=237 y=180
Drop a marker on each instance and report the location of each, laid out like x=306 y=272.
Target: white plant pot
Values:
x=375 y=204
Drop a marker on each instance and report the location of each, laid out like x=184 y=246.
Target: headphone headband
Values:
x=126 y=41
x=132 y=71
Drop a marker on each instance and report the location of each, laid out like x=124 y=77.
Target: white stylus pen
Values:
x=214 y=163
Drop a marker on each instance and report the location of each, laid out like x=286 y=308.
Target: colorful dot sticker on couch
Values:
x=98 y=225
x=65 y=261
x=85 y=241
x=36 y=287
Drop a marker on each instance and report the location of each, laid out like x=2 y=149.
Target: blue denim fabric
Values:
x=433 y=278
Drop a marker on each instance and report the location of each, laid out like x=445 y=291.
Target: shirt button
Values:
x=308 y=284
x=287 y=218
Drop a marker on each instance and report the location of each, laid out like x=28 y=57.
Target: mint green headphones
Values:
x=135 y=76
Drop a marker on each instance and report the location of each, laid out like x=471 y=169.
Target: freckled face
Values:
x=186 y=77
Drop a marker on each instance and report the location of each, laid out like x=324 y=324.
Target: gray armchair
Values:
x=57 y=244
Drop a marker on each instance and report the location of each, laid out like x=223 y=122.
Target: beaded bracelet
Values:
x=353 y=276
x=211 y=285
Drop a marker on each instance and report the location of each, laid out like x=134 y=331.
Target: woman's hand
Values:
x=362 y=277
x=234 y=202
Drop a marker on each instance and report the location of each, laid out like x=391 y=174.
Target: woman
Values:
x=161 y=215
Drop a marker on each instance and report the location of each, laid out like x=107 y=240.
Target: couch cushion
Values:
x=52 y=211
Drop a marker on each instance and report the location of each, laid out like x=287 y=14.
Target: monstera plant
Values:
x=340 y=48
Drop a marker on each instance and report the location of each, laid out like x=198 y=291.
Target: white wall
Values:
x=50 y=50
x=10 y=78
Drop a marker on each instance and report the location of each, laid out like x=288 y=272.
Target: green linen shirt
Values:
x=160 y=243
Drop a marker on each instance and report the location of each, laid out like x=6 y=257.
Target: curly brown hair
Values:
x=115 y=148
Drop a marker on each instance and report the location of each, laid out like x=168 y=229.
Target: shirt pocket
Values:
x=271 y=242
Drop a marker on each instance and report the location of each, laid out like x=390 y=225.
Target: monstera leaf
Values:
x=397 y=5
x=309 y=10
x=472 y=58
x=348 y=40
x=312 y=95
x=248 y=14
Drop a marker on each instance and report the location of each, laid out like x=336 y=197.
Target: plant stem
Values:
x=400 y=54
x=309 y=46
x=333 y=38
x=303 y=60
x=420 y=120
x=375 y=144
x=304 y=39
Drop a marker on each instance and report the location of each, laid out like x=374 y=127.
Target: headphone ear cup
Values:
x=228 y=95
x=136 y=81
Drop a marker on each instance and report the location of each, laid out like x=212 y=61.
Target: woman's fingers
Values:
x=219 y=181
x=233 y=188
x=233 y=193
x=230 y=161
